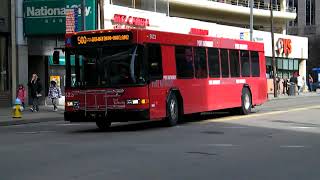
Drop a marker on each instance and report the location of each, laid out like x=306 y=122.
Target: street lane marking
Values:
x=301 y=127
x=232 y=118
x=292 y=146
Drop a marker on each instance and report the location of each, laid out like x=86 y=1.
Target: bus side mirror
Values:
x=56 y=56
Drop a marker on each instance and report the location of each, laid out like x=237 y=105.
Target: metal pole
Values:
x=101 y=7
x=251 y=20
x=273 y=53
x=83 y=14
x=155 y=5
x=168 y=7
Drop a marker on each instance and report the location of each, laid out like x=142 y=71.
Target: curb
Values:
x=13 y=122
x=292 y=97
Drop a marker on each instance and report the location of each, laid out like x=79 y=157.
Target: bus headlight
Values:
x=69 y=103
x=137 y=101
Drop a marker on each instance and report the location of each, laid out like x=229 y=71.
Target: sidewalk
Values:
x=304 y=94
x=45 y=114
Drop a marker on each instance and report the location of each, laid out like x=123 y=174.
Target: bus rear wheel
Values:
x=103 y=124
x=246 y=102
x=172 y=110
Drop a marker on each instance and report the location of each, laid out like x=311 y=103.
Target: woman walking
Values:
x=35 y=89
x=54 y=94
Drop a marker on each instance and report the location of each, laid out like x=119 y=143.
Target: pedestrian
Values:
x=285 y=86
x=300 y=83
x=21 y=94
x=35 y=89
x=310 y=81
x=54 y=94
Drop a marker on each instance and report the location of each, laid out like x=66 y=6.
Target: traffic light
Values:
x=56 y=56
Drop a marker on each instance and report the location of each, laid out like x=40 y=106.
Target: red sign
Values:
x=130 y=20
x=284 y=47
x=199 y=31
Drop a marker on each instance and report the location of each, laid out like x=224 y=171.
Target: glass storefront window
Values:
x=290 y=64
x=296 y=65
x=279 y=63
x=285 y=64
x=4 y=74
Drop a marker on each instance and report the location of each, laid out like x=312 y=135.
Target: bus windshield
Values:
x=108 y=66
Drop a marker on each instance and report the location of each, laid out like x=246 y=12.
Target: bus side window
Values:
x=234 y=63
x=245 y=63
x=200 y=62
x=184 y=62
x=155 y=61
x=213 y=63
x=255 y=66
x=224 y=62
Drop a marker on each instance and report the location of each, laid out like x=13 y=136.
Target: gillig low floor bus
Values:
x=126 y=75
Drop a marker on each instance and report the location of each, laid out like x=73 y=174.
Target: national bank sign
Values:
x=49 y=17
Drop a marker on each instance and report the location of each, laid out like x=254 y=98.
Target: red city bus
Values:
x=126 y=75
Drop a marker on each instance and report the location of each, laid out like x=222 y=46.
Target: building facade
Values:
x=307 y=24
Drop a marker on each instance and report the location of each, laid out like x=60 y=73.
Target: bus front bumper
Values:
x=112 y=115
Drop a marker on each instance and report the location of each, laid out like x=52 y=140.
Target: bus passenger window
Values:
x=234 y=63
x=224 y=62
x=200 y=62
x=213 y=62
x=184 y=62
x=255 y=67
x=245 y=63
x=155 y=61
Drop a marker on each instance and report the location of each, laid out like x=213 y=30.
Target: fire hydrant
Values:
x=17 y=109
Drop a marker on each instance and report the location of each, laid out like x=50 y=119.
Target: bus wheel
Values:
x=246 y=101
x=103 y=124
x=172 y=110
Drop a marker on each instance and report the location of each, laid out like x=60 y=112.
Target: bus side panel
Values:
x=159 y=89
x=258 y=85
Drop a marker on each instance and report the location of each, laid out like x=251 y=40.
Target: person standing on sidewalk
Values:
x=21 y=94
x=35 y=89
x=310 y=82
x=54 y=94
x=300 y=84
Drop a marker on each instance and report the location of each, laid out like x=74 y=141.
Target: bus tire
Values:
x=172 y=110
x=246 y=102
x=103 y=124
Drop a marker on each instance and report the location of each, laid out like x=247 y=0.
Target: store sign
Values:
x=123 y=21
x=284 y=47
x=197 y=31
x=101 y=39
x=49 y=17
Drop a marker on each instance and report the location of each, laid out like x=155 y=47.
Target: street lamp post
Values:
x=273 y=53
x=251 y=20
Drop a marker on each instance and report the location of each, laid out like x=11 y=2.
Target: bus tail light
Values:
x=137 y=101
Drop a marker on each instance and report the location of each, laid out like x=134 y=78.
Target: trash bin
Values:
x=292 y=89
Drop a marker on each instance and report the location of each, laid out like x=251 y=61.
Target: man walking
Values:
x=35 y=89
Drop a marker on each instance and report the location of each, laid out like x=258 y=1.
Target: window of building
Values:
x=290 y=64
x=295 y=22
x=280 y=63
x=155 y=61
x=213 y=62
x=224 y=62
x=245 y=63
x=285 y=64
x=310 y=12
x=295 y=64
x=200 y=62
x=184 y=62
x=234 y=63
x=4 y=74
x=255 y=65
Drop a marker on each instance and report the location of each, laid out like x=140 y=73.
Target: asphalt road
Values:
x=280 y=140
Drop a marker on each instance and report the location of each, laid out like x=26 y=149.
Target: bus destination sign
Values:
x=101 y=39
